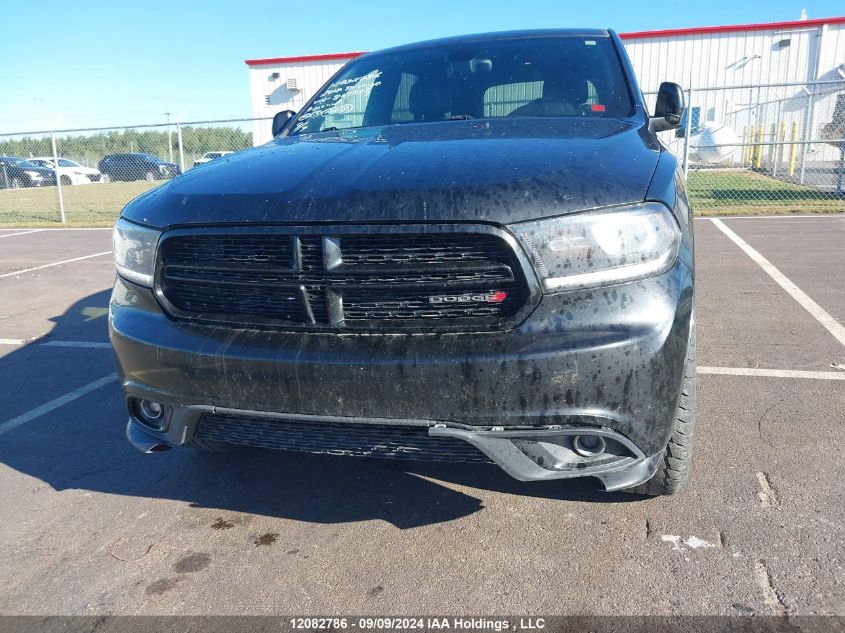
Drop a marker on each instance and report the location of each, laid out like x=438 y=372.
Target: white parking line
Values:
x=791 y=216
x=772 y=373
x=66 y=261
x=20 y=233
x=829 y=323
x=15 y=422
x=52 y=343
x=88 y=344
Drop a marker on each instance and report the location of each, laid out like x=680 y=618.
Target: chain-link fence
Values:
x=764 y=148
x=86 y=176
x=745 y=149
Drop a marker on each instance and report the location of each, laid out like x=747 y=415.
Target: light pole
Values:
x=169 y=138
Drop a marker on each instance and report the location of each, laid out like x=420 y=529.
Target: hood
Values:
x=44 y=171
x=498 y=171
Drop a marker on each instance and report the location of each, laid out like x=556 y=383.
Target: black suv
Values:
x=472 y=249
x=16 y=173
x=136 y=166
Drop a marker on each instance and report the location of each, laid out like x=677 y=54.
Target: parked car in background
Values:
x=208 y=157
x=70 y=172
x=137 y=166
x=16 y=173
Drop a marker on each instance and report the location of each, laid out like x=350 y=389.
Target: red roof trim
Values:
x=696 y=30
x=733 y=28
x=303 y=58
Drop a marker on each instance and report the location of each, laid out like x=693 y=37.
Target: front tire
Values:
x=149 y=176
x=673 y=474
x=66 y=182
x=16 y=183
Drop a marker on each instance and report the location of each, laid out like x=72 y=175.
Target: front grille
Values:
x=380 y=280
x=337 y=438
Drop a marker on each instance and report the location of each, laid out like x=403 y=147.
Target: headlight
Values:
x=601 y=247
x=135 y=251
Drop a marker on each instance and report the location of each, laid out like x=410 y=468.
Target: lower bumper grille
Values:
x=337 y=438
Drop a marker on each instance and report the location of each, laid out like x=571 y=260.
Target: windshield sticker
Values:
x=341 y=98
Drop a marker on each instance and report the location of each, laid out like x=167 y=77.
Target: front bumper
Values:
x=608 y=360
x=43 y=181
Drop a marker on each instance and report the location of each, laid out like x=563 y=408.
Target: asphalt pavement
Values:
x=90 y=526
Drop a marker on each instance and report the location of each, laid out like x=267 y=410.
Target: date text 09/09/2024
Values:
x=418 y=623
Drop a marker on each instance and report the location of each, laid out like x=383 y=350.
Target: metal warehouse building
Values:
x=771 y=81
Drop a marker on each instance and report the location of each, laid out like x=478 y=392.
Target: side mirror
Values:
x=281 y=120
x=669 y=109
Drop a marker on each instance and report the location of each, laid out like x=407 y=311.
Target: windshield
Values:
x=562 y=76
x=24 y=164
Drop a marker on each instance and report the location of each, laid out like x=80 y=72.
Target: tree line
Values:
x=89 y=149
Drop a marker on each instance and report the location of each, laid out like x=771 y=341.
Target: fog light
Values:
x=152 y=412
x=589 y=445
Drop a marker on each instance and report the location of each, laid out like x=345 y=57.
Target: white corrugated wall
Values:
x=270 y=95
x=703 y=60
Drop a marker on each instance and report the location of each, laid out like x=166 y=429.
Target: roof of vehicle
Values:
x=477 y=37
x=498 y=35
x=141 y=154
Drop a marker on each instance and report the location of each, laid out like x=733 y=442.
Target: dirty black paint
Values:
x=611 y=355
x=528 y=169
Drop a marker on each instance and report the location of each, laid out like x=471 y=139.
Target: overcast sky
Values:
x=96 y=62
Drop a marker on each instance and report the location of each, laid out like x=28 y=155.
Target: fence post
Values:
x=808 y=134
x=793 y=148
x=58 y=177
x=181 y=148
x=773 y=149
x=687 y=132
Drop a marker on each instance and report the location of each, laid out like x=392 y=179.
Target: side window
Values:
x=402 y=104
x=504 y=99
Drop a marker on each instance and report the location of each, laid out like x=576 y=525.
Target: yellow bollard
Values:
x=759 y=162
x=782 y=138
x=773 y=136
x=752 y=133
x=793 y=148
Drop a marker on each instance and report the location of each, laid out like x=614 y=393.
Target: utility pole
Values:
x=169 y=138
